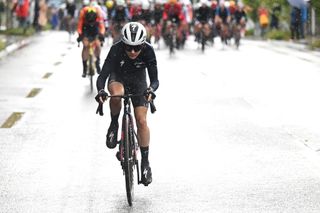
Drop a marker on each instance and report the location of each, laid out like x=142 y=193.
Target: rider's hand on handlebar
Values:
x=101 y=96
x=80 y=37
x=101 y=37
x=149 y=94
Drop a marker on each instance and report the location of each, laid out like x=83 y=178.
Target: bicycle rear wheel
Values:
x=128 y=160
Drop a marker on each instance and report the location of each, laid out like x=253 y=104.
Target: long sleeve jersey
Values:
x=117 y=61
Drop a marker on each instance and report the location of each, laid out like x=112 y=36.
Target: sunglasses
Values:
x=136 y=48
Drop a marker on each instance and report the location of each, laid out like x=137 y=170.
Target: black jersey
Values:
x=146 y=16
x=129 y=71
x=157 y=15
x=71 y=8
x=238 y=15
x=203 y=14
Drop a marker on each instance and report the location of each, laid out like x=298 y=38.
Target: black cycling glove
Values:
x=80 y=37
x=149 y=92
x=101 y=94
x=101 y=37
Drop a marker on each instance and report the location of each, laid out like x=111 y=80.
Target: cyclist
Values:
x=146 y=16
x=240 y=18
x=156 y=21
x=135 y=10
x=125 y=66
x=70 y=10
x=91 y=27
x=202 y=18
x=222 y=20
x=173 y=13
x=119 y=16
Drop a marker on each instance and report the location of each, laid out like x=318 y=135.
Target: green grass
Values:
x=19 y=31
x=250 y=32
x=278 y=35
x=2 y=45
x=315 y=44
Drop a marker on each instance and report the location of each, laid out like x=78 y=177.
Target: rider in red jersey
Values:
x=173 y=13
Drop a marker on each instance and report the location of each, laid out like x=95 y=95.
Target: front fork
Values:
x=134 y=145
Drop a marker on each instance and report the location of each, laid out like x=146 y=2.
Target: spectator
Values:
x=295 y=24
x=43 y=9
x=36 y=16
x=21 y=8
x=263 y=15
x=304 y=18
x=276 y=10
x=54 y=19
x=2 y=11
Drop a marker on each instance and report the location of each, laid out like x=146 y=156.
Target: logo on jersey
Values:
x=139 y=64
x=121 y=63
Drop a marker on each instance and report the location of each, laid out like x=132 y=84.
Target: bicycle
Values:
x=172 y=36
x=236 y=29
x=70 y=26
x=128 y=144
x=202 y=36
x=91 y=62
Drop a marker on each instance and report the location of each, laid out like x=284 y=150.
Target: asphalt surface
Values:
x=15 y=43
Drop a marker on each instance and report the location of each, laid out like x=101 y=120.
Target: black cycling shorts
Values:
x=90 y=32
x=135 y=85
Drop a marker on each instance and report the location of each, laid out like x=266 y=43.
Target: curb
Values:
x=296 y=46
x=15 y=46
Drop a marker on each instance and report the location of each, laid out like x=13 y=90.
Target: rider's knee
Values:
x=141 y=122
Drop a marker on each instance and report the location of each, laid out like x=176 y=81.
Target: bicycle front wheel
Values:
x=91 y=71
x=128 y=160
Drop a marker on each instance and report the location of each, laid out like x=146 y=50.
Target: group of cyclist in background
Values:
x=162 y=19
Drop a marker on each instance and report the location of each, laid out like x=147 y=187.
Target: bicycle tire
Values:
x=237 y=39
x=91 y=71
x=128 y=161
x=171 y=44
x=203 y=41
x=91 y=83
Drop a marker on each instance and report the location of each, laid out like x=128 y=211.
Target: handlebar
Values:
x=99 y=110
x=101 y=43
x=91 y=40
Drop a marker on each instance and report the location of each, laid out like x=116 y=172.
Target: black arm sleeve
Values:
x=152 y=69
x=108 y=66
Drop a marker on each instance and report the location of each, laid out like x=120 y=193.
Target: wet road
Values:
x=235 y=131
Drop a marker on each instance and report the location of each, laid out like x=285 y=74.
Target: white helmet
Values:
x=121 y=3
x=145 y=5
x=133 y=33
x=203 y=2
x=86 y=2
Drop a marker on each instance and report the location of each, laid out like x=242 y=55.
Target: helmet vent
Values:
x=126 y=34
x=133 y=36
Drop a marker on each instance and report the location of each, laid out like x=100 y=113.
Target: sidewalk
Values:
x=13 y=43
